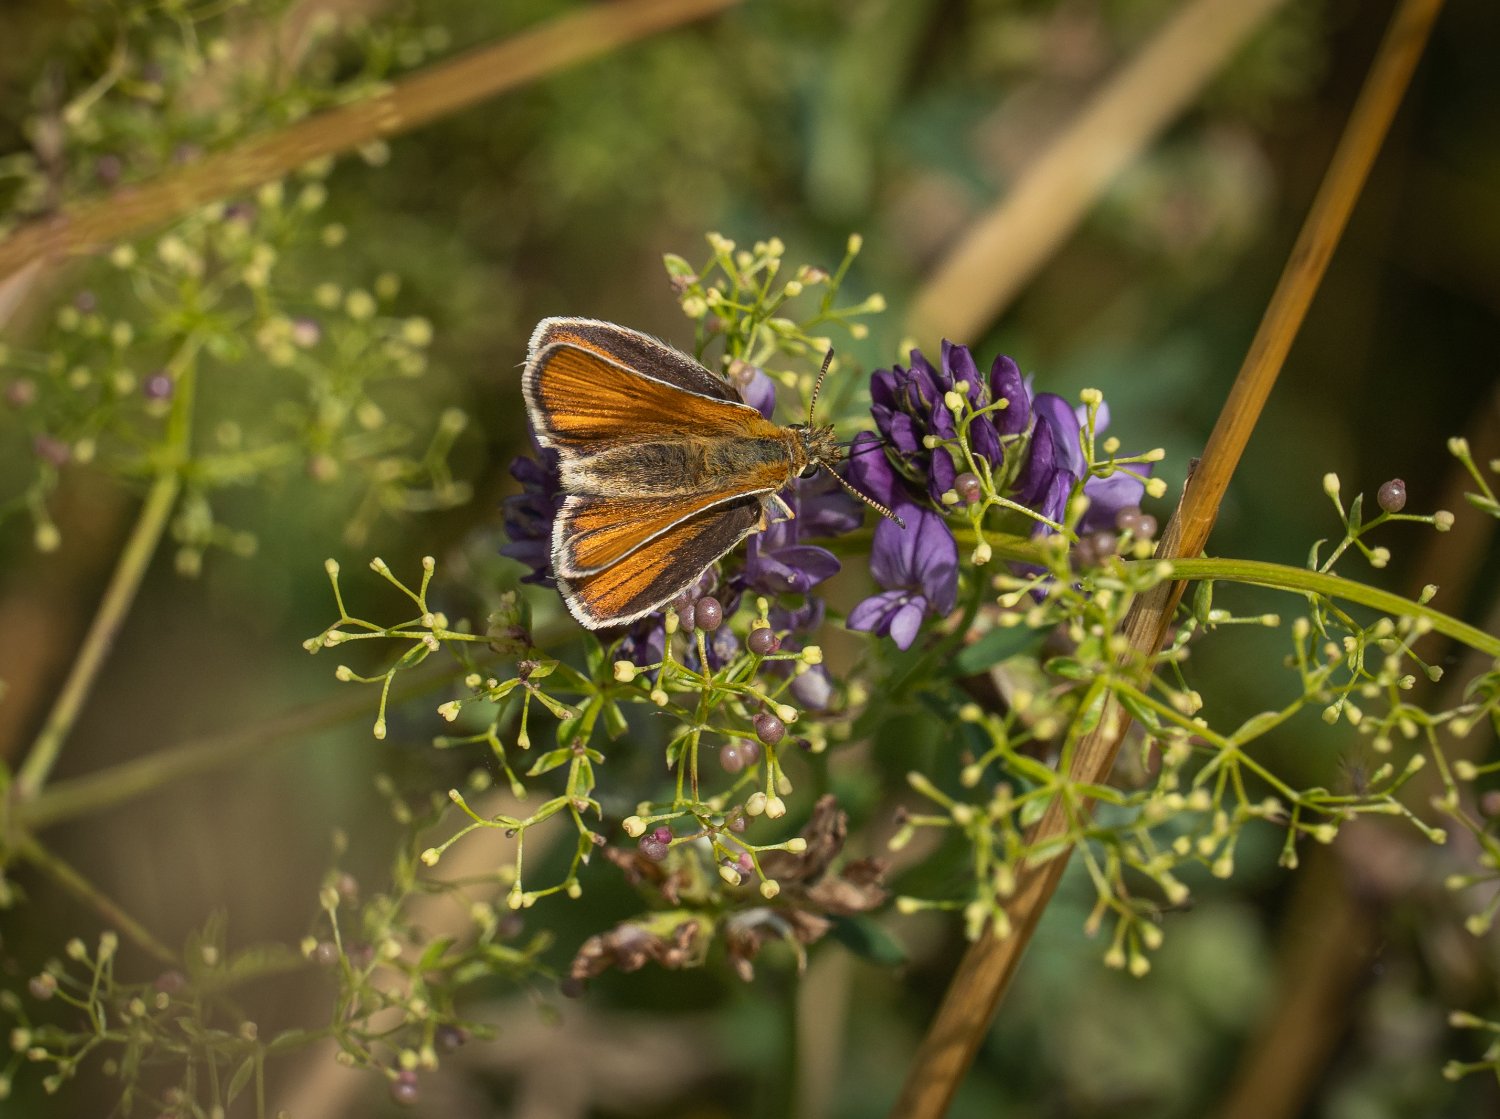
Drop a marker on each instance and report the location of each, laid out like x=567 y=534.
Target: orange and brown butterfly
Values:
x=664 y=467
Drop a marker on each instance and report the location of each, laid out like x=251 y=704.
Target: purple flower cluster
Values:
x=909 y=406
x=1029 y=442
x=530 y=513
x=916 y=566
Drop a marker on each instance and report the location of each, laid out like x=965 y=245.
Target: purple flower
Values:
x=530 y=513
x=1032 y=445
x=777 y=562
x=908 y=406
x=916 y=567
x=643 y=642
x=1056 y=464
x=755 y=388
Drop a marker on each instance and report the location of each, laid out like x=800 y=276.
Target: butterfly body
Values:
x=663 y=466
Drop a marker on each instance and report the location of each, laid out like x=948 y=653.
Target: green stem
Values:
x=82 y=795
x=118 y=596
x=1280 y=577
x=128 y=575
x=76 y=884
x=1283 y=577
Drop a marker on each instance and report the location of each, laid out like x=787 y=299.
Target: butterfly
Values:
x=663 y=465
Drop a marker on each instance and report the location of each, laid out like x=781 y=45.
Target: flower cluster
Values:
x=945 y=426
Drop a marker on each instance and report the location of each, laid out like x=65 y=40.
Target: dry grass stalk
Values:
x=425 y=96
x=985 y=972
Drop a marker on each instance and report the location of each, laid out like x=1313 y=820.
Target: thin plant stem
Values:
x=129 y=572
x=118 y=596
x=1278 y=577
x=402 y=105
x=80 y=796
x=983 y=975
x=81 y=888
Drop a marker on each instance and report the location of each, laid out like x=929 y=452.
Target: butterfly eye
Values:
x=809 y=470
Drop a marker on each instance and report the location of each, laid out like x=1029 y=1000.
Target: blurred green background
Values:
x=904 y=120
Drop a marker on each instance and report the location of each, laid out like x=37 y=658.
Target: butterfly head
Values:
x=819 y=445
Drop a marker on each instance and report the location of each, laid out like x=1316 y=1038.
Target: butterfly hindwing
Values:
x=648 y=578
x=592 y=532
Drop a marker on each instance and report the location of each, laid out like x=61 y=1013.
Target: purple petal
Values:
x=903 y=435
x=813 y=688
x=923 y=379
x=941 y=423
x=869 y=471
x=805 y=619
x=942 y=473
x=958 y=365
x=905 y=623
x=934 y=560
x=760 y=393
x=1054 y=503
x=1058 y=414
x=890 y=559
x=823 y=508
x=1041 y=465
x=869 y=616
x=984 y=440
x=810 y=564
x=1006 y=384
x=1107 y=496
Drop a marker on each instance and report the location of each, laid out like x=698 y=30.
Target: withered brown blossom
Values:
x=803 y=912
x=630 y=945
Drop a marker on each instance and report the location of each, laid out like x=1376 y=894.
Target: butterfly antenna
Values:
x=868 y=500
x=818 y=385
x=865 y=448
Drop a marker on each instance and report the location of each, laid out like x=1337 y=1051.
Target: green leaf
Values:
x=1067 y=668
x=676 y=747
x=290 y=1039
x=1140 y=712
x=541 y=668
x=614 y=721
x=678 y=268
x=995 y=646
x=434 y=953
x=1203 y=600
x=866 y=937
x=240 y=1078
x=550 y=761
x=1255 y=726
x=559 y=709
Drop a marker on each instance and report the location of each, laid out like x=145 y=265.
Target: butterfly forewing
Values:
x=648 y=578
x=584 y=402
x=633 y=349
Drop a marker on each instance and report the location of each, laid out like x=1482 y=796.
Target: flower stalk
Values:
x=984 y=974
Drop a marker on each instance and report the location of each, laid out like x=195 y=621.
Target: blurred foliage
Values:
x=900 y=118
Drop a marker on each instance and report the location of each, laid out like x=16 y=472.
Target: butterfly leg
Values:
x=783 y=506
